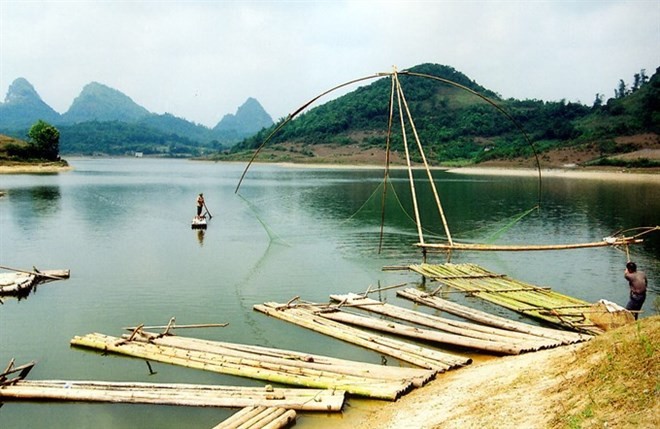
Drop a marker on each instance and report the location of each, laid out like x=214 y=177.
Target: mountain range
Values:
x=98 y=103
x=457 y=126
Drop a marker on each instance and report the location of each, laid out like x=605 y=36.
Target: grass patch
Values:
x=621 y=387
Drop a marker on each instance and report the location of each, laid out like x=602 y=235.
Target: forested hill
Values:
x=457 y=126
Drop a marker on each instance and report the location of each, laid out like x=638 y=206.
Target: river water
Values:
x=122 y=226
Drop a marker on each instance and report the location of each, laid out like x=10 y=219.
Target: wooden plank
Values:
x=174 y=394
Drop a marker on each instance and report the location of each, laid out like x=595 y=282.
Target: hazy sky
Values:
x=202 y=59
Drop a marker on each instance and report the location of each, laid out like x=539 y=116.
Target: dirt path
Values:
x=511 y=391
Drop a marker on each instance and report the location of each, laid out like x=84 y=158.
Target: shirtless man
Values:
x=637 y=281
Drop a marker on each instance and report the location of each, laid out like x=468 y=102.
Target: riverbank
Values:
x=610 y=381
x=572 y=173
x=35 y=168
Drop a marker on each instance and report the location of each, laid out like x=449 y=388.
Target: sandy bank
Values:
x=34 y=168
x=618 y=175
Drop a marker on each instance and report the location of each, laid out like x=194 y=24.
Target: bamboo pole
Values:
x=49 y=274
x=199 y=325
x=240 y=417
x=416 y=355
x=425 y=334
x=489 y=319
x=411 y=178
x=259 y=418
x=303 y=360
x=449 y=325
x=513 y=248
x=282 y=421
x=426 y=165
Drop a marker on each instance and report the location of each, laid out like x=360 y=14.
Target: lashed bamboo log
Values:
x=259 y=418
x=281 y=357
x=425 y=334
x=416 y=355
x=565 y=337
x=283 y=371
x=282 y=421
x=174 y=394
x=239 y=418
x=524 y=340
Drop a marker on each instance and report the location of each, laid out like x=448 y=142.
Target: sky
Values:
x=201 y=60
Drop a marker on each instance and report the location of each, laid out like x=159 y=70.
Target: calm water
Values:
x=122 y=226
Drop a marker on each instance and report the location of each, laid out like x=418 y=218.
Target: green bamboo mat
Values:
x=530 y=300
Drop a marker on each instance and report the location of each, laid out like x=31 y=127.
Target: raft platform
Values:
x=501 y=338
x=274 y=365
x=21 y=282
x=533 y=301
x=193 y=395
x=259 y=418
x=312 y=317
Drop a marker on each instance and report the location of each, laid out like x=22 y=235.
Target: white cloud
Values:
x=202 y=59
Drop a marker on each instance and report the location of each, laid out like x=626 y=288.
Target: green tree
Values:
x=46 y=140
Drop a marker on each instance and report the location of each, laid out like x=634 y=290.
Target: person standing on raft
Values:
x=200 y=204
x=637 y=281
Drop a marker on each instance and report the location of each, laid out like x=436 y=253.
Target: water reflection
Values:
x=35 y=201
x=200 y=237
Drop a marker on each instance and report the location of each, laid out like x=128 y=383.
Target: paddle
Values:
x=207 y=211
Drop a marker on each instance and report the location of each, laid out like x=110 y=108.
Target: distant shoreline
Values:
x=652 y=175
x=599 y=174
x=618 y=175
x=40 y=168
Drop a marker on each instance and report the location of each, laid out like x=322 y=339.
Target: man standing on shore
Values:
x=637 y=281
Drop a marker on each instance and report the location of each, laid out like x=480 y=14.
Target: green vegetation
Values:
x=458 y=127
x=43 y=145
x=122 y=138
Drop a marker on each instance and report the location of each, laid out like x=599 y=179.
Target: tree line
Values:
x=457 y=126
x=43 y=144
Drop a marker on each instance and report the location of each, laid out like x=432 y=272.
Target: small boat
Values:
x=19 y=282
x=198 y=222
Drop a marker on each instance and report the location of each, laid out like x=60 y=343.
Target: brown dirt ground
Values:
x=647 y=146
x=545 y=389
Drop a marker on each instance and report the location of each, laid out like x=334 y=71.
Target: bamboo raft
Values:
x=443 y=330
x=563 y=337
x=20 y=282
x=533 y=301
x=192 y=395
x=259 y=418
x=311 y=317
x=273 y=365
x=13 y=386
